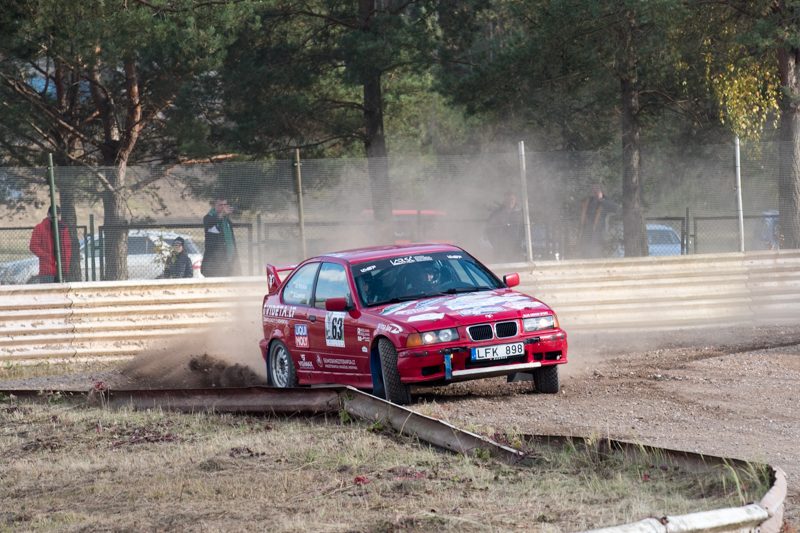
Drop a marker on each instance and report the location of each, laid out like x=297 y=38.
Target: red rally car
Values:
x=386 y=318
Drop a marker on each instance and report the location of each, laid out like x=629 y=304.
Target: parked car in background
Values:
x=147 y=253
x=662 y=240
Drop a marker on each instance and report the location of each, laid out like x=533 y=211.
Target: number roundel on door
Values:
x=334 y=329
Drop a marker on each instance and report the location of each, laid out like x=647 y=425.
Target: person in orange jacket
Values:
x=43 y=246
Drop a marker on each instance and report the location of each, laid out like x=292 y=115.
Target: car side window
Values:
x=332 y=283
x=298 y=288
x=138 y=245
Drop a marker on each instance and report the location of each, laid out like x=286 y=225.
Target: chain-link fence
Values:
x=475 y=201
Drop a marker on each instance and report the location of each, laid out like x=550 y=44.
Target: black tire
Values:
x=545 y=379
x=396 y=392
x=281 y=367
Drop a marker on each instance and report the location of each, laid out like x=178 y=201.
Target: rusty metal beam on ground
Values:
x=229 y=400
x=431 y=430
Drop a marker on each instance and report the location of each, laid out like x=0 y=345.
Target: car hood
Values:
x=463 y=309
x=18 y=271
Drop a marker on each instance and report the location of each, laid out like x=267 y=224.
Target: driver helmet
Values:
x=424 y=275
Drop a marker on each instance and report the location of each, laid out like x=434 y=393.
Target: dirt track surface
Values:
x=731 y=393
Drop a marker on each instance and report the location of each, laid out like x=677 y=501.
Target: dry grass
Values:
x=65 y=466
x=16 y=371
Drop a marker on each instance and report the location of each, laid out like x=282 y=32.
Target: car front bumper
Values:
x=452 y=362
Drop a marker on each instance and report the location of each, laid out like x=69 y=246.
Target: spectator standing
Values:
x=504 y=229
x=591 y=229
x=43 y=245
x=219 y=257
x=178 y=264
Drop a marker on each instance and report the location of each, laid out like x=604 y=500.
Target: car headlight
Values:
x=432 y=337
x=540 y=322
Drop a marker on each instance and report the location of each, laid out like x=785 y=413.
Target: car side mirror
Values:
x=511 y=280
x=336 y=304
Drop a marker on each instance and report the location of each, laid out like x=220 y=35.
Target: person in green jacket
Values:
x=219 y=257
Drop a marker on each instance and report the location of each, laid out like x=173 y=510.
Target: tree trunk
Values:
x=635 y=237
x=374 y=138
x=115 y=226
x=789 y=149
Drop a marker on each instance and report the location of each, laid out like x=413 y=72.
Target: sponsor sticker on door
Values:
x=301 y=335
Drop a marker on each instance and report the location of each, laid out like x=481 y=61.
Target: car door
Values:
x=302 y=335
x=343 y=355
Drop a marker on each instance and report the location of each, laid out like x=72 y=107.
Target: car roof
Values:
x=360 y=255
x=661 y=227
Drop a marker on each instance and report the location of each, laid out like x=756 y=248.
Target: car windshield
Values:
x=660 y=236
x=410 y=277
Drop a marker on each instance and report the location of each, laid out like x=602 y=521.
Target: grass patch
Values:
x=68 y=467
x=10 y=370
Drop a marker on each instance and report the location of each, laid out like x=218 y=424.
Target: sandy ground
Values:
x=731 y=392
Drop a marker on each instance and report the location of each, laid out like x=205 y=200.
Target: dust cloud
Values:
x=588 y=349
x=224 y=354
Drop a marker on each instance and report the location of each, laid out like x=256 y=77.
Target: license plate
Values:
x=500 y=351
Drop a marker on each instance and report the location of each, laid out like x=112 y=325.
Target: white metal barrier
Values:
x=121 y=318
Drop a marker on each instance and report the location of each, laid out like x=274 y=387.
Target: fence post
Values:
x=739 y=210
x=259 y=242
x=685 y=234
x=250 y=256
x=88 y=248
x=55 y=214
x=300 y=214
x=523 y=176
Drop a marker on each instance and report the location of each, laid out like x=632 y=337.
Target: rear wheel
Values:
x=545 y=379
x=281 y=366
x=396 y=391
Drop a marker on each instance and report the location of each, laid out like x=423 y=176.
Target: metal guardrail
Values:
x=106 y=319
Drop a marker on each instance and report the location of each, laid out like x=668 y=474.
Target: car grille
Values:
x=484 y=332
x=505 y=329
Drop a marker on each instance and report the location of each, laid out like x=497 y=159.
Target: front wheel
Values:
x=545 y=379
x=395 y=390
x=281 y=367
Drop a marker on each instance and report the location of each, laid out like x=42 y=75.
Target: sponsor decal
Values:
x=363 y=334
x=335 y=363
x=537 y=314
x=474 y=311
x=522 y=305
x=276 y=322
x=301 y=335
x=334 y=329
x=483 y=300
x=455 y=257
x=271 y=280
x=433 y=302
x=364 y=349
x=390 y=328
x=396 y=307
x=426 y=316
x=284 y=311
x=368 y=269
x=397 y=261
x=303 y=364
